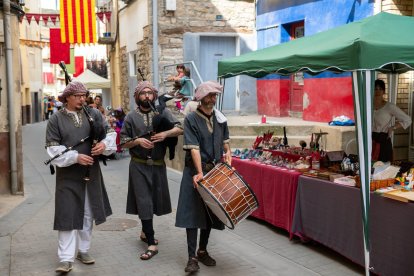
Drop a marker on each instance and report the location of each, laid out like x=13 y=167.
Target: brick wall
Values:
x=403 y=7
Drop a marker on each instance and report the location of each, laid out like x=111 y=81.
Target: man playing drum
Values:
x=206 y=137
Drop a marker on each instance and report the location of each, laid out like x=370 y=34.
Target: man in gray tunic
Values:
x=77 y=202
x=147 y=132
x=206 y=137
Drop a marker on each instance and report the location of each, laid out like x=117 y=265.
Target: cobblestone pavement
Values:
x=28 y=245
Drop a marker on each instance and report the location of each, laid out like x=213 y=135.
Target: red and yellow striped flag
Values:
x=78 y=21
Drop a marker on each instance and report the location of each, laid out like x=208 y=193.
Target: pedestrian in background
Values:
x=45 y=107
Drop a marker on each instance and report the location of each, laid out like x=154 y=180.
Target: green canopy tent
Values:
x=377 y=43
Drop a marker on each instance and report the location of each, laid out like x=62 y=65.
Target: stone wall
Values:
x=200 y=17
x=144 y=56
x=123 y=70
x=191 y=16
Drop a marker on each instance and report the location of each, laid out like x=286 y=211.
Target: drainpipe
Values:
x=10 y=95
x=155 y=79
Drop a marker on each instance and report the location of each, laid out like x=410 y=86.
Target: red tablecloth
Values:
x=275 y=189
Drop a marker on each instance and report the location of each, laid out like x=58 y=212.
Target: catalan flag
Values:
x=78 y=21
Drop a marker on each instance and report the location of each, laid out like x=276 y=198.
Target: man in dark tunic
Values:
x=206 y=137
x=77 y=202
x=146 y=133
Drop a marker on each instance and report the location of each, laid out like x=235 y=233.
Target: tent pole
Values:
x=392 y=93
x=223 y=82
x=362 y=82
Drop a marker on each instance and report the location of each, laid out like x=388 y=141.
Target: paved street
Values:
x=28 y=245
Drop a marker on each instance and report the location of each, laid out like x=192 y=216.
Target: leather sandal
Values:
x=147 y=255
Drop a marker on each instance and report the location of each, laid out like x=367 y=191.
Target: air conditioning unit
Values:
x=170 y=5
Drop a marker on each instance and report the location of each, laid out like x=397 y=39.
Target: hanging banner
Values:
x=53 y=18
x=71 y=66
x=102 y=15
x=78 y=21
x=58 y=51
x=79 y=66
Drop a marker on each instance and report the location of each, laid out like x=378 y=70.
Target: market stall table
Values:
x=331 y=214
x=275 y=189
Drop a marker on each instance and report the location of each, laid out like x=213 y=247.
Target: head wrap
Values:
x=71 y=89
x=206 y=88
x=145 y=84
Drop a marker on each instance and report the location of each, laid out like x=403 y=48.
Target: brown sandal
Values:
x=148 y=254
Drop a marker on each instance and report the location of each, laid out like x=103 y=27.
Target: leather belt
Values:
x=149 y=162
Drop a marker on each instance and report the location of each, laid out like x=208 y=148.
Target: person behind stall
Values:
x=206 y=138
x=387 y=118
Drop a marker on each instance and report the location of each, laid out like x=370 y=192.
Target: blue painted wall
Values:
x=317 y=15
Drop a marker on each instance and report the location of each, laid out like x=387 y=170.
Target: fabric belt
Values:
x=206 y=167
x=149 y=162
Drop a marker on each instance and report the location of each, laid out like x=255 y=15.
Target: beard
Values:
x=207 y=103
x=144 y=104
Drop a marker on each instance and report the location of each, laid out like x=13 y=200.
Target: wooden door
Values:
x=296 y=80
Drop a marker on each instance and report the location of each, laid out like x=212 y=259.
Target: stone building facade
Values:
x=212 y=17
x=6 y=166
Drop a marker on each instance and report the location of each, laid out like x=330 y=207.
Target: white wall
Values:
x=132 y=20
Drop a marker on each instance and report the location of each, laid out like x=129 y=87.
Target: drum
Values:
x=227 y=195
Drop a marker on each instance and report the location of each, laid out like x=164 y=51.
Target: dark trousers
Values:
x=192 y=240
x=386 y=151
x=148 y=229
